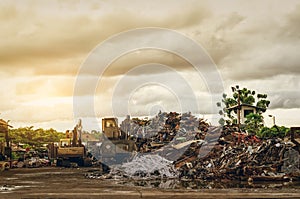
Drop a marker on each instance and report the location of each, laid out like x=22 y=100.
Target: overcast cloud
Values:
x=44 y=43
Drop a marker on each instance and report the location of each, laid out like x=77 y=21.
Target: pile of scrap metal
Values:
x=33 y=162
x=200 y=151
x=164 y=129
x=29 y=158
x=166 y=134
x=241 y=157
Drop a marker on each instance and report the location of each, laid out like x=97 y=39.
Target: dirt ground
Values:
x=51 y=182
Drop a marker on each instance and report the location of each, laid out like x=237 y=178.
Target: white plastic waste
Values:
x=148 y=166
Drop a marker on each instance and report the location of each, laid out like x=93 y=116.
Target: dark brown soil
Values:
x=51 y=182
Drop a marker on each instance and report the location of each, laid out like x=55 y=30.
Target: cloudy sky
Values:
x=46 y=45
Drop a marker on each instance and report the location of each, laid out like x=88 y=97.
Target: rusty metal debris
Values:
x=238 y=156
x=164 y=128
x=200 y=151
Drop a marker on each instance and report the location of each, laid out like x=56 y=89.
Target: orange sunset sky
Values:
x=45 y=43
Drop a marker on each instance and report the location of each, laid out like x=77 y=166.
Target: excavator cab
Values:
x=110 y=128
x=115 y=146
x=65 y=142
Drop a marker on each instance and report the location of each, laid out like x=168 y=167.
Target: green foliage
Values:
x=253 y=123
x=15 y=156
x=222 y=122
x=97 y=134
x=35 y=137
x=245 y=96
x=275 y=131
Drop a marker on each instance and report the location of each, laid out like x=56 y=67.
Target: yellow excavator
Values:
x=70 y=151
x=116 y=145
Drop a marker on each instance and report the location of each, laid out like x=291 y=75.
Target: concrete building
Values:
x=245 y=109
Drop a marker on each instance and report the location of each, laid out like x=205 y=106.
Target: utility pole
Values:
x=236 y=88
x=239 y=110
x=273 y=119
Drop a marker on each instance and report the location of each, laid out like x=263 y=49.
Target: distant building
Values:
x=245 y=109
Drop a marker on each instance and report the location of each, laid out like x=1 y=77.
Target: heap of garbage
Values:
x=147 y=166
x=152 y=134
x=239 y=156
x=175 y=145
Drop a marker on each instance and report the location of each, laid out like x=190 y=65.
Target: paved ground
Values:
x=71 y=183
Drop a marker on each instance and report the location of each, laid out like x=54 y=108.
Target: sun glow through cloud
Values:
x=44 y=43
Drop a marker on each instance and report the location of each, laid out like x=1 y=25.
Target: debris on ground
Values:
x=152 y=134
x=148 y=166
x=181 y=145
x=243 y=157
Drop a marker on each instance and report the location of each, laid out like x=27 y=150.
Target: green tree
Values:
x=242 y=96
x=34 y=137
x=253 y=123
x=275 y=131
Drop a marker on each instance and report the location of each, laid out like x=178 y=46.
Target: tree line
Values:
x=34 y=137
